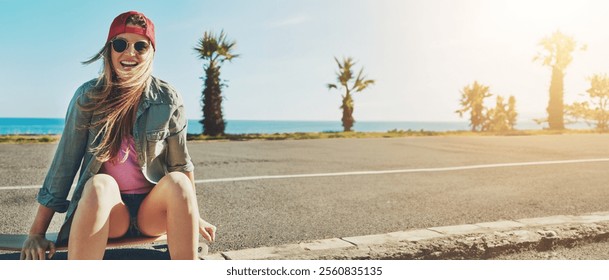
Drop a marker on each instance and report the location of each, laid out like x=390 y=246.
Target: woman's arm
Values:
x=206 y=229
x=42 y=220
x=35 y=247
x=53 y=194
x=68 y=155
x=191 y=176
x=178 y=159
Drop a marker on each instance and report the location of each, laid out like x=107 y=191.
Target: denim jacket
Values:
x=160 y=142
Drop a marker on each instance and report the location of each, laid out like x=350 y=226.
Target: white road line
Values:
x=418 y=170
x=19 y=188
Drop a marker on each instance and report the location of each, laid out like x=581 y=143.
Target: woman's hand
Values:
x=35 y=247
x=207 y=230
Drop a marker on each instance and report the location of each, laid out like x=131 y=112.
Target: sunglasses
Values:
x=120 y=45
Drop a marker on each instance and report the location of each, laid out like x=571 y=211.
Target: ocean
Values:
x=55 y=126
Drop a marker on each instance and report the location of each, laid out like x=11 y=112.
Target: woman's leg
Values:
x=100 y=215
x=171 y=207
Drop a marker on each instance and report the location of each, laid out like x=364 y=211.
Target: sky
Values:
x=420 y=53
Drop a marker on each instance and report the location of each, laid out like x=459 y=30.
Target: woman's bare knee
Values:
x=171 y=207
x=177 y=178
x=100 y=188
x=101 y=202
x=177 y=186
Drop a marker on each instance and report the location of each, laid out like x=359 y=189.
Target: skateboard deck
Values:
x=14 y=242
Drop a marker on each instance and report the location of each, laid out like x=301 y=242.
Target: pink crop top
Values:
x=127 y=174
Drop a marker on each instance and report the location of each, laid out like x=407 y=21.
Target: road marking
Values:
x=19 y=187
x=417 y=170
x=353 y=173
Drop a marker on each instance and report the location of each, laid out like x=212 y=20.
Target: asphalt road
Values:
x=265 y=212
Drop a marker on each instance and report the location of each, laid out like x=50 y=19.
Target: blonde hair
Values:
x=115 y=100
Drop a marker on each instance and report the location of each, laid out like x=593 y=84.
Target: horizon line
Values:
x=298 y=120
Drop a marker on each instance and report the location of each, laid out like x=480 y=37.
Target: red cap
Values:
x=119 y=25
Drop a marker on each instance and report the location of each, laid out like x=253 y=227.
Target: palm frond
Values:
x=340 y=66
x=214 y=47
x=345 y=76
x=363 y=85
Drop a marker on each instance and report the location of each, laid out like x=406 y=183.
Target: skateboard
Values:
x=13 y=242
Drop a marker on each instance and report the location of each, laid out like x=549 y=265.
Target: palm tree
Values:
x=214 y=50
x=497 y=118
x=344 y=77
x=502 y=117
x=472 y=99
x=596 y=109
x=556 y=54
x=511 y=113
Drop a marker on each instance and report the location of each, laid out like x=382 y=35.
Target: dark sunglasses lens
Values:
x=119 y=45
x=141 y=46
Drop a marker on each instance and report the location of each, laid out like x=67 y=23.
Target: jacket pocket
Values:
x=155 y=142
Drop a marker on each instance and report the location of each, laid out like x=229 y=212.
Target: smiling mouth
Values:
x=128 y=64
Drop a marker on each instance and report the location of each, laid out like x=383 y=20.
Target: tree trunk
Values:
x=347 y=107
x=556 y=105
x=602 y=116
x=213 y=121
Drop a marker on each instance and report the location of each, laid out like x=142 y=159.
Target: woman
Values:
x=126 y=131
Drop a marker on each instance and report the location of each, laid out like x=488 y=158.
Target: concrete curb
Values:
x=470 y=241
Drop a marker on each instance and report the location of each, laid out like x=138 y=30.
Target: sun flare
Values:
x=566 y=15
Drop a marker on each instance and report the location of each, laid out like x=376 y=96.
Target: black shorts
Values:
x=133 y=202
